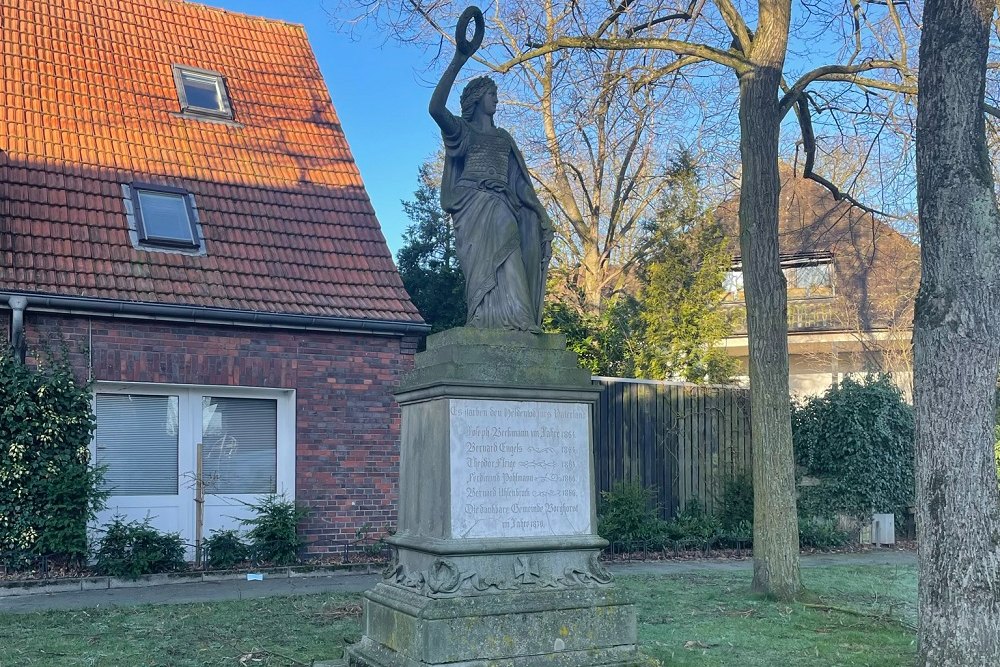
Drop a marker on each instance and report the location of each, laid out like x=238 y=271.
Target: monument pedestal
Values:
x=495 y=562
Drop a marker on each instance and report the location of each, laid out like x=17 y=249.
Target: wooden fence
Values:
x=684 y=440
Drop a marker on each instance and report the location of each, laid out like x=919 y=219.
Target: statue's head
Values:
x=474 y=92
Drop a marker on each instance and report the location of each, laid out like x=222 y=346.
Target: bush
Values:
x=740 y=533
x=737 y=502
x=857 y=440
x=628 y=514
x=133 y=549
x=370 y=547
x=225 y=549
x=821 y=533
x=694 y=525
x=273 y=533
x=48 y=491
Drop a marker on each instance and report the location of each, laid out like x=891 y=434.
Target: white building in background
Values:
x=851 y=283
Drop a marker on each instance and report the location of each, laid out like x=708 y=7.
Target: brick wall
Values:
x=347 y=422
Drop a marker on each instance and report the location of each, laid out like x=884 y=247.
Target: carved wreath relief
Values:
x=446 y=579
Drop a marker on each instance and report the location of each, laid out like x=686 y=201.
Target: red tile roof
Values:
x=88 y=103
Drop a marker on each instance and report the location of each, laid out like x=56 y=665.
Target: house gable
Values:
x=90 y=106
x=874 y=269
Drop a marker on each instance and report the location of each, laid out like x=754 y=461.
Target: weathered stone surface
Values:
x=503 y=236
x=477 y=579
x=519 y=468
x=569 y=627
x=467 y=355
x=487 y=573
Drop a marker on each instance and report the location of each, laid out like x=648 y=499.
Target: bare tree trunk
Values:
x=776 y=532
x=956 y=344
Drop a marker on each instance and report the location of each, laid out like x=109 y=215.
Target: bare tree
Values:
x=694 y=40
x=757 y=57
x=600 y=164
x=956 y=343
x=592 y=125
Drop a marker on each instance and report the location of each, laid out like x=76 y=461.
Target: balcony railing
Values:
x=804 y=315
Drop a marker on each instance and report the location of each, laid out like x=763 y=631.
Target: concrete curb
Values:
x=71 y=585
x=23 y=588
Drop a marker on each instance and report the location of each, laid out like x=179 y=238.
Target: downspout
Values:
x=18 y=343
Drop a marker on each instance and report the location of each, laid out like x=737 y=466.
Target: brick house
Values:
x=180 y=209
x=851 y=281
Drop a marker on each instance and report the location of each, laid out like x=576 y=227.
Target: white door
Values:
x=242 y=462
x=149 y=437
x=140 y=440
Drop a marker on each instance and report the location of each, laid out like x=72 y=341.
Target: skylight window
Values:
x=202 y=92
x=164 y=217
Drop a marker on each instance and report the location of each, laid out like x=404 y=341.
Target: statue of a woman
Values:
x=502 y=233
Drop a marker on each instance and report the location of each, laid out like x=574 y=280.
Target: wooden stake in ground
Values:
x=956 y=344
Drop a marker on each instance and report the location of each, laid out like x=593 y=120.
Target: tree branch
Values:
x=614 y=16
x=683 y=16
x=854 y=612
x=729 y=59
x=856 y=20
x=737 y=26
x=842 y=73
x=809 y=146
x=661 y=72
x=877 y=84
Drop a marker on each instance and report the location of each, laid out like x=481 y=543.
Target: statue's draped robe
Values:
x=498 y=239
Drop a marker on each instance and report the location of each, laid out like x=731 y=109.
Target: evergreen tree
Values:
x=607 y=344
x=682 y=292
x=668 y=327
x=427 y=261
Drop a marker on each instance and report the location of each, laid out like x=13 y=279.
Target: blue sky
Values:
x=380 y=90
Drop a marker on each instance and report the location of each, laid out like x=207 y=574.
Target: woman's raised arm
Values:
x=438 y=106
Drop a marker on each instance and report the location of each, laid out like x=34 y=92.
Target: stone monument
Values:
x=495 y=558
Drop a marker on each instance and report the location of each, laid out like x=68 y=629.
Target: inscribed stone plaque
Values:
x=519 y=468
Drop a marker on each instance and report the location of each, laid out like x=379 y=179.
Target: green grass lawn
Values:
x=710 y=618
x=703 y=618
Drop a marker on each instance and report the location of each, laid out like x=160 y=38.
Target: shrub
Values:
x=857 y=439
x=369 y=546
x=224 y=549
x=737 y=502
x=629 y=514
x=48 y=490
x=741 y=532
x=133 y=549
x=693 y=524
x=821 y=533
x=273 y=533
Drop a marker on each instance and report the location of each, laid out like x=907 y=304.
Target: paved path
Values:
x=882 y=557
x=354 y=583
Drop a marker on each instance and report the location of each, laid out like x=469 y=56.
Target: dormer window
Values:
x=202 y=92
x=164 y=217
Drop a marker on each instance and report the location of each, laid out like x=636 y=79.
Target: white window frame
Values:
x=224 y=111
x=734 y=278
x=190 y=404
x=809 y=290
